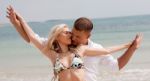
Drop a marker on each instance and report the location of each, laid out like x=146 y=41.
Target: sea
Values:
x=20 y=61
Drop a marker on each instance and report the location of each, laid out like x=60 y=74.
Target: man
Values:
x=81 y=33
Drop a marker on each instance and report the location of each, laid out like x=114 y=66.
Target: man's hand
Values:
x=16 y=19
x=124 y=59
x=11 y=15
x=137 y=41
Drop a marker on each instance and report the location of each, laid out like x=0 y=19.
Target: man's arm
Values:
x=19 y=28
x=124 y=59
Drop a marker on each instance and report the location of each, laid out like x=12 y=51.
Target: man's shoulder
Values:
x=94 y=44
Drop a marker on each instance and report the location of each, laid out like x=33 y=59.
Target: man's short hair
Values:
x=83 y=24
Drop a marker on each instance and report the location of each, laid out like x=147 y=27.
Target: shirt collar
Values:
x=90 y=43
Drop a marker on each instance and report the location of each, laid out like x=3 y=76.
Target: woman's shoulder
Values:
x=50 y=53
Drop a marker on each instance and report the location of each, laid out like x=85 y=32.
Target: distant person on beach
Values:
x=60 y=52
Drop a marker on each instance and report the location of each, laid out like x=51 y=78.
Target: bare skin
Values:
x=16 y=19
x=64 y=40
x=123 y=60
x=19 y=28
x=83 y=39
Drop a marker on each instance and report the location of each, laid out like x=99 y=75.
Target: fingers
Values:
x=10 y=8
x=137 y=40
x=10 y=13
x=139 y=37
x=7 y=16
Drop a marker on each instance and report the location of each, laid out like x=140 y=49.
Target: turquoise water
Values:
x=22 y=62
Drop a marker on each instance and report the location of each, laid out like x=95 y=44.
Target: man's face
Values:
x=79 y=37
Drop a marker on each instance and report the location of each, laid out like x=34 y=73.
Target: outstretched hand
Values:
x=16 y=20
x=13 y=16
x=137 y=41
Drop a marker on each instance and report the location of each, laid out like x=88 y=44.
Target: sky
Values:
x=42 y=10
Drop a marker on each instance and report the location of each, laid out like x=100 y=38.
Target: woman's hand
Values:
x=16 y=20
x=11 y=15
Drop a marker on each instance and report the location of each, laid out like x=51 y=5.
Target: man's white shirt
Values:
x=94 y=65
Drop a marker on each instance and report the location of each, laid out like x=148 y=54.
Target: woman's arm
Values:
x=103 y=51
x=32 y=36
x=18 y=26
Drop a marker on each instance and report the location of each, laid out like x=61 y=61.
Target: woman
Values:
x=67 y=62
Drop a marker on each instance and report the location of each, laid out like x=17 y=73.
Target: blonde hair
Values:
x=52 y=43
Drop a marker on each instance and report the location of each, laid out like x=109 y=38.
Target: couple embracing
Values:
x=73 y=55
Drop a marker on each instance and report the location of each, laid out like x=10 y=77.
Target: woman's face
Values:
x=65 y=36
